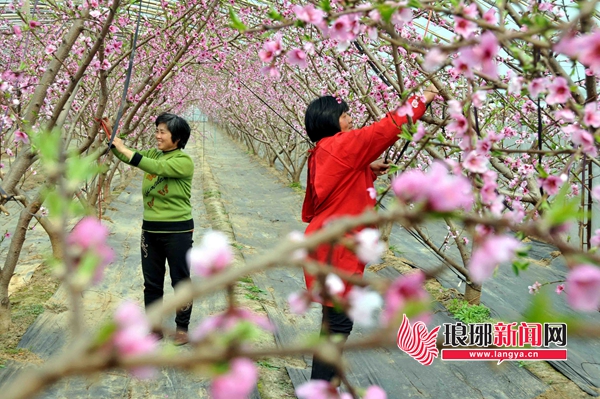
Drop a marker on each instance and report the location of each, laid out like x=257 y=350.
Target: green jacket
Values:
x=166 y=188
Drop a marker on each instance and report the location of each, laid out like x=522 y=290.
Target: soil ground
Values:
x=219 y=204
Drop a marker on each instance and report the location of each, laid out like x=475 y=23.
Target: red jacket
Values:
x=338 y=178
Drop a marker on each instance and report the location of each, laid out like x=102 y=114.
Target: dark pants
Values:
x=157 y=248
x=335 y=323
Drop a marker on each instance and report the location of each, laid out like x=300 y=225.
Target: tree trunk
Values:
x=4 y=311
x=10 y=264
x=473 y=293
x=386 y=231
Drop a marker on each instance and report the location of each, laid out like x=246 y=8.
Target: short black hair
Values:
x=179 y=128
x=322 y=117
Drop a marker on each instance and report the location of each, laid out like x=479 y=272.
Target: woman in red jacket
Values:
x=341 y=168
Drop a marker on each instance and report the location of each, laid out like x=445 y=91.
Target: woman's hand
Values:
x=430 y=92
x=380 y=167
x=106 y=128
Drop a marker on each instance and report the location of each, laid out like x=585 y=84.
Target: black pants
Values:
x=157 y=248
x=335 y=323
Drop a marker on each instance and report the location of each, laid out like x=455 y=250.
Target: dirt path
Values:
x=50 y=333
x=262 y=211
x=235 y=193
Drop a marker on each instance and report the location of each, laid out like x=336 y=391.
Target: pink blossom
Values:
x=564 y=115
x=317 y=389
x=464 y=27
x=470 y=11
x=401 y=16
x=439 y=190
x=342 y=29
x=237 y=383
x=408 y=187
x=298 y=237
x=475 y=162
x=552 y=184
x=595 y=239
x=591 y=115
x=363 y=304
x=270 y=50
x=405 y=109
x=334 y=284
x=271 y=70
x=560 y=288
x=421 y=132
x=226 y=321
x=434 y=59
x=484 y=146
x=515 y=85
x=130 y=314
x=458 y=126
x=309 y=14
x=17 y=31
x=22 y=137
x=404 y=289
x=589 y=47
x=490 y=16
x=537 y=86
x=34 y=24
x=465 y=62
x=213 y=255
x=492 y=251
x=596 y=193
x=133 y=336
x=369 y=248
x=488 y=192
x=372 y=33
x=50 y=48
x=583 y=282
x=297 y=57
x=372 y=192
x=299 y=302
x=88 y=233
x=375 y=392
x=558 y=91
x=568 y=45
x=497 y=205
x=583 y=138
x=454 y=107
x=486 y=53
x=478 y=98
x=7 y=235
x=535 y=288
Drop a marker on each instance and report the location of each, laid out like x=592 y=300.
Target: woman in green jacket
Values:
x=168 y=226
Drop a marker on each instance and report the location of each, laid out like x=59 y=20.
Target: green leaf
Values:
x=519 y=265
x=406 y=134
x=236 y=22
x=541 y=171
x=386 y=11
x=325 y=5
x=415 y=4
x=48 y=144
x=79 y=169
x=55 y=204
x=274 y=15
x=563 y=208
x=540 y=21
x=105 y=333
